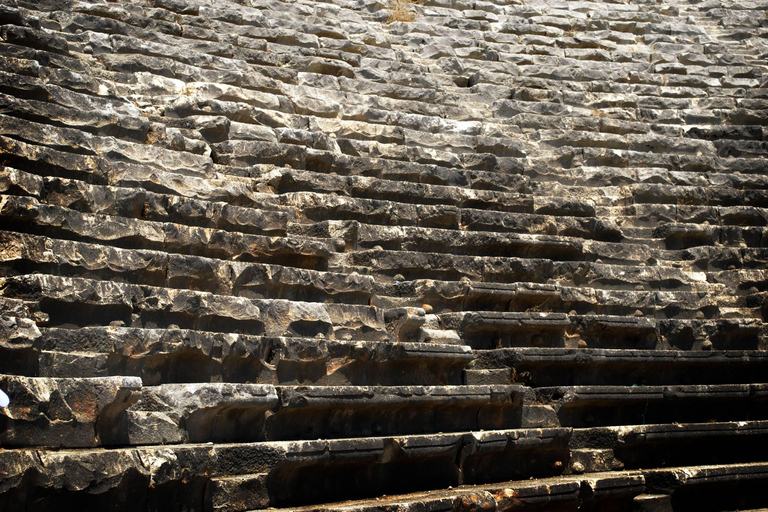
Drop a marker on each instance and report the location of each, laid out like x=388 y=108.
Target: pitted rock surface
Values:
x=362 y=256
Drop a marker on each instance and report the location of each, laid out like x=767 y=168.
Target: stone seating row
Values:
x=267 y=472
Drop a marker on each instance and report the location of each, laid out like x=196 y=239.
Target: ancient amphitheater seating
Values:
x=499 y=255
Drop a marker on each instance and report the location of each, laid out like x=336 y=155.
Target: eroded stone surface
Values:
x=514 y=242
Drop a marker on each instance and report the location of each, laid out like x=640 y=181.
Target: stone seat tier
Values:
x=487 y=329
x=161 y=356
x=15 y=205
x=731 y=485
x=551 y=297
x=223 y=413
x=79 y=302
x=125 y=201
x=327 y=210
x=587 y=406
x=237 y=187
x=276 y=215
x=680 y=235
x=287 y=38
x=563 y=493
x=664 y=445
x=44 y=255
x=296 y=158
x=627 y=490
x=239 y=477
x=59 y=412
x=230 y=412
x=491 y=329
x=578 y=367
x=497 y=269
x=245 y=98
x=27 y=214
x=651 y=215
x=716 y=194
x=271 y=469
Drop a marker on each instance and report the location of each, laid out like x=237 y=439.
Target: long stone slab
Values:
x=203 y=475
x=181 y=413
x=105 y=302
x=568 y=366
x=178 y=355
x=49 y=412
x=584 y=406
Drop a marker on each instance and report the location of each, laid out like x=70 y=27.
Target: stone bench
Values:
x=647 y=446
x=50 y=412
x=28 y=214
x=175 y=355
x=487 y=329
x=104 y=303
x=525 y=296
x=181 y=413
x=180 y=271
x=564 y=493
x=443 y=267
x=711 y=487
x=137 y=202
x=585 y=406
x=257 y=475
x=578 y=367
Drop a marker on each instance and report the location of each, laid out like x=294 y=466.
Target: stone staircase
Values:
x=508 y=256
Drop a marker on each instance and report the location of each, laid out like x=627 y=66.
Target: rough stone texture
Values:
x=505 y=256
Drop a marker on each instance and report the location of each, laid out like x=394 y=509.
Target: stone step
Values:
x=537 y=367
x=680 y=235
x=49 y=412
x=286 y=473
x=734 y=485
x=412 y=266
x=562 y=493
x=132 y=202
x=651 y=215
x=269 y=146
x=665 y=445
x=34 y=160
x=656 y=195
x=27 y=214
x=283 y=181
x=260 y=219
x=625 y=490
x=488 y=329
x=488 y=243
x=328 y=209
x=583 y=300
x=225 y=413
x=219 y=50
x=44 y=255
x=588 y=406
x=177 y=355
x=112 y=303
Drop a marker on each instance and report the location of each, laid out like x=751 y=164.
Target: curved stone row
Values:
x=488 y=255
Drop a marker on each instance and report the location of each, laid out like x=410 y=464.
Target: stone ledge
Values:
x=177 y=355
x=568 y=366
x=321 y=468
x=59 y=412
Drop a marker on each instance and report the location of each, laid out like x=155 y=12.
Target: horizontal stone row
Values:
x=487 y=330
x=115 y=411
x=539 y=367
x=56 y=299
x=179 y=355
x=266 y=472
x=641 y=490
